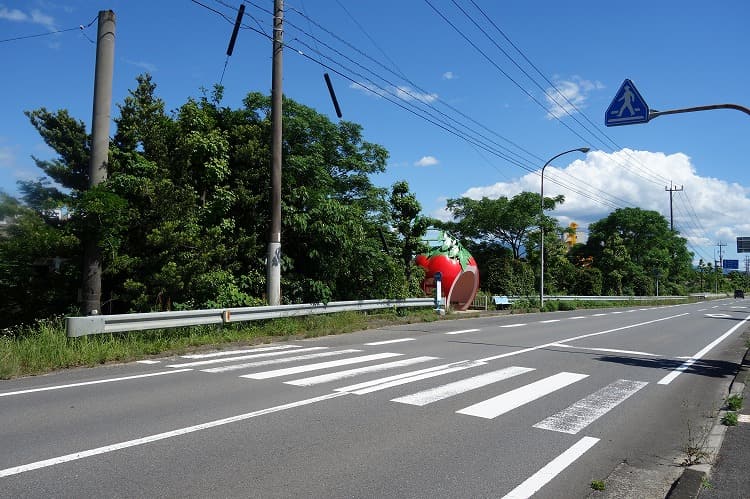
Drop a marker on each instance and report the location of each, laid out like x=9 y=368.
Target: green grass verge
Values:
x=43 y=346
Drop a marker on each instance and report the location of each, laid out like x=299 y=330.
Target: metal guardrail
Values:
x=485 y=301
x=98 y=324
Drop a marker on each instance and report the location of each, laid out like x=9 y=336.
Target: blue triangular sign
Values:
x=627 y=108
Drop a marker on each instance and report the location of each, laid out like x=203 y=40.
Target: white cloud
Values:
x=151 y=68
x=569 y=96
x=35 y=17
x=402 y=92
x=449 y=75
x=702 y=205
x=427 y=161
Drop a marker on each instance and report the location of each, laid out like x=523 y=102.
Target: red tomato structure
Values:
x=460 y=275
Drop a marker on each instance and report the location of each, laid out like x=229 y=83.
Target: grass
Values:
x=43 y=346
x=597 y=484
x=729 y=419
x=734 y=403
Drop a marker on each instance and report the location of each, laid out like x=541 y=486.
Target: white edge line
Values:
x=160 y=436
x=539 y=479
x=671 y=376
x=97 y=382
x=539 y=347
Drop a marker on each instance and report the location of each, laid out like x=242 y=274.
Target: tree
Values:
x=504 y=220
x=409 y=225
x=631 y=246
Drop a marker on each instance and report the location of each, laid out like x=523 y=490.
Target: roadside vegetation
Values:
x=42 y=346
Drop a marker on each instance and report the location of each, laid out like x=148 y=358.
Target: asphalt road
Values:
x=503 y=406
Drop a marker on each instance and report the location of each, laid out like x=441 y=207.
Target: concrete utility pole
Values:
x=671 y=189
x=105 y=51
x=273 y=264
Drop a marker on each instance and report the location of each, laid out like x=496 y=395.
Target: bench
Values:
x=501 y=302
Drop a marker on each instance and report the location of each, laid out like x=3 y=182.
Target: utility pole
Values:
x=671 y=189
x=273 y=263
x=721 y=259
x=105 y=51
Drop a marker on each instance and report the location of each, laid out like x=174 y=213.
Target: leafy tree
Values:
x=503 y=220
x=409 y=225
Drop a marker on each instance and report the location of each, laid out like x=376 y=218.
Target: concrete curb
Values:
x=688 y=486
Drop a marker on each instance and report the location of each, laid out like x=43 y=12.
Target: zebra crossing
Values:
x=266 y=363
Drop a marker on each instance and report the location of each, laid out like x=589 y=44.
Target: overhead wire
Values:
x=80 y=27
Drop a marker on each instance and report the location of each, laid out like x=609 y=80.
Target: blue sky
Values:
x=492 y=72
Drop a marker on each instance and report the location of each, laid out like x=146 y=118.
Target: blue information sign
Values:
x=627 y=108
x=731 y=264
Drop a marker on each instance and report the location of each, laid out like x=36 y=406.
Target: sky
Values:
x=470 y=98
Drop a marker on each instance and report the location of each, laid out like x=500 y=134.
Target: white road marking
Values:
x=244 y=357
x=147 y=361
x=276 y=373
x=97 y=382
x=618 y=312
x=671 y=376
x=630 y=352
x=442 y=392
x=545 y=345
x=578 y=317
x=539 y=479
x=513 y=325
x=325 y=378
x=402 y=379
x=589 y=409
x=549 y=321
x=743 y=418
x=597 y=315
x=387 y=342
x=284 y=360
x=464 y=331
x=506 y=402
x=159 y=436
x=225 y=353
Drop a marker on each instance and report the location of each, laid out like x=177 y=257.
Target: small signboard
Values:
x=627 y=108
x=743 y=245
x=731 y=264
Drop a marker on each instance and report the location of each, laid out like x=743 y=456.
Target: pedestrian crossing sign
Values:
x=627 y=108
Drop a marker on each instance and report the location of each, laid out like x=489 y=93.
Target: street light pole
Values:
x=541 y=223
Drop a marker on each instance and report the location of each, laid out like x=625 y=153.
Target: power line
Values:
x=26 y=37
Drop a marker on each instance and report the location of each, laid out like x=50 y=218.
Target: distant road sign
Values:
x=627 y=108
x=731 y=264
x=743 y=245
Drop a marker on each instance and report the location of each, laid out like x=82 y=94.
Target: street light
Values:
x=541 y=223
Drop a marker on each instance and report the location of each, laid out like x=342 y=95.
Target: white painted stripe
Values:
x=402 y=379
x=198 y=363
x=587 y=410
x=513 y=325
x=276 y=373
x=387 y=342
x=539 y=479
x=743 y=418
x=671 y=376
x=86 y=383
x=613 y=350
x=325 y=378
x=578 y=317
x=270 y=362
x=597 y=315
x=549 y=321
x=442 y=392
x=496 y=406
x=545 y=345
x=464 y=331
x=147 y=361
x=159 y=436
x=224 y=353
x=618 y=312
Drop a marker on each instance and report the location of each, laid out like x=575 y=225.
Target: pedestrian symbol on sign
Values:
x=627 y=108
